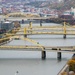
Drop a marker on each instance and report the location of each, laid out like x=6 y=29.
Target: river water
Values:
x=30 y=62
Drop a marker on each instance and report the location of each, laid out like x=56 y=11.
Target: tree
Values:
x=71 y=64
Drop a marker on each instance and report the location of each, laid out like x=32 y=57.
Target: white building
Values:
x=73 y=10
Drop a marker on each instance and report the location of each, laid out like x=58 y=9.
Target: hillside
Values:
x=63 y=6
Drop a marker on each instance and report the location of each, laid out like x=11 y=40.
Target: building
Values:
x=4 y=10
x=73 y=11
x=7 y=25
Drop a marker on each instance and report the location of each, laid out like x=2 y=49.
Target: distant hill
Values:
x=63 y=6
x=41 y=3
x=68 y=4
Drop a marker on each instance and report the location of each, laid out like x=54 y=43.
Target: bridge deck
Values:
x=37 y=48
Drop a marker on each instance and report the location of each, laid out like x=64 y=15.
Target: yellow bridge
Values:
x=20 y=15
x=37 y=46
x=30 y=30
x=51 y=30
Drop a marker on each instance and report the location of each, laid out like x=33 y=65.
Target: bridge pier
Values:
x=43 y=55
x=59 y=55
x=25 y=36
x=40 y=22
x=64 y=36
x=22 y=21
x=25 y=31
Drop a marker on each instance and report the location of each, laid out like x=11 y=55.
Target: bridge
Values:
x=24 y=16
x=39 y=30
x=19 y=16
x=38 y=47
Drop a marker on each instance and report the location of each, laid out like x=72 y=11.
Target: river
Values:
x=30 y=63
